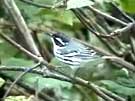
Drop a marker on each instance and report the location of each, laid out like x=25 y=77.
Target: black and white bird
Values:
x=70 y=51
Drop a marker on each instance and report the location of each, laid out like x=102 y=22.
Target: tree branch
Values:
x=18 y=77
x=29 y=2
x=62 y=78
x=14 y=12
x=77 y=80
x=109 y=17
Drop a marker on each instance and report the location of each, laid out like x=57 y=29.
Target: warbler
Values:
x=70 y=51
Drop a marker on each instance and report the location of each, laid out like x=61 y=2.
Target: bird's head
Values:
x=60 y=39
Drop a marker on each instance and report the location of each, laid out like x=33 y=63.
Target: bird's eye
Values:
x=60 y=40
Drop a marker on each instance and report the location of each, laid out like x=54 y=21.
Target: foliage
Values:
x=99 y=71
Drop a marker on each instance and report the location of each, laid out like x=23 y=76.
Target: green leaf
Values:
x=100 y=69
x=31 y=79
x=118 y=88
x=6 y=50
x=128 y=5
x=16 y=62
x=128 y=82
x=87 y=69
x=60 y=15
x=37 y=81
x=78 y=3
x=71 y=94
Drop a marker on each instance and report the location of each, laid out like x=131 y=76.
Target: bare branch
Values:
x=107 y=16
x=36 y=4
x=14 y=12
x=18 y=77
x=122 y=13
x=63 y=78
x=116 y=97
x=77 y=80
x=19 y=47
x=120 y=61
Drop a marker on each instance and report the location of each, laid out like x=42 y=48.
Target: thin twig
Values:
x=18 y=78
x=113 y=95
x=19 y=47
x=90 y=7
x=29 y=2
x=24 y=85
x=83 y=19
x=20 y=23
x=77 y=80
x=88 y=23
x=122 y=13
x=109 y=17
x=52 y=68
x=120 y=61
x=58 y=77
x=39 y=5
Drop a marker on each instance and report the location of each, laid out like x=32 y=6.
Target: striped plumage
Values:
x=69 y=51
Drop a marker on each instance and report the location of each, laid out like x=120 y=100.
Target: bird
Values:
x=69 y=51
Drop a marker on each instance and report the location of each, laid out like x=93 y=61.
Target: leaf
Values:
x=60 y=15
x=118 y=88
x=30 y=79
x=87 y=69
x=128 y=82
x=60 y=88
x=78 y=3
x=128 y=5
x=9 y=49
x=16 y=62
x=71 y=94
x=99 y=69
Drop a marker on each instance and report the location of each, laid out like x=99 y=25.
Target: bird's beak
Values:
x=48 y=34
x=51 y=33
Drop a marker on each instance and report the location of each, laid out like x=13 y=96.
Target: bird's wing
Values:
x=80 y=52
x=84 y=52
x=75 y=53
x=68 y=57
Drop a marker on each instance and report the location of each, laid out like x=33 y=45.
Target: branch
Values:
x=94 y=27
x=27 y=87
x=113 y=95
x=19 y=47
x=77 y=80
x=14 y=12
x=126 y=29
x=62 y=78
x=90 y=7
x=129 y=29
x=109 y=17
x=29 y=2
x=122 y=13
x=39 y=5
x=120 y=61
x=18 y=77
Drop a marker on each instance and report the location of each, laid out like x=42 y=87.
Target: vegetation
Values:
x=30 y=72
